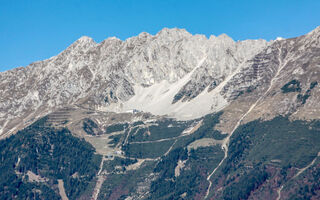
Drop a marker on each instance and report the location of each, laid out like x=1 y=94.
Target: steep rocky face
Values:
x=265 y=78
x=107 y=75
x=171 y=73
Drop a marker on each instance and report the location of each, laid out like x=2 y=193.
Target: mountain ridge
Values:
x=112 y=75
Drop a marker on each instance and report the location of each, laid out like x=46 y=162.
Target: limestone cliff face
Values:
x=283 y=64
x=171 y=73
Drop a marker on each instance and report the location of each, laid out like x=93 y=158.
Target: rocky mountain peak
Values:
x=83 y=42
x=85 y=39
x=144 y=35
x=173 y=34
x=313 y=37
x=110 y=42
x=225 y=37
x=78 y=47
x=315 y=31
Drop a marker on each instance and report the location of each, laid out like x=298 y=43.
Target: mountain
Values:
x=166 y=116
x=160 y=74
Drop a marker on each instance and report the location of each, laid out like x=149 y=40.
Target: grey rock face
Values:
x=283 y=61
x=163 y=74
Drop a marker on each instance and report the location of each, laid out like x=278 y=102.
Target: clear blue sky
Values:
x=32 y=30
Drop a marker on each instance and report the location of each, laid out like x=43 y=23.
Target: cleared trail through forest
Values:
x=300 y=171
x=101 y=178
x=62 y=191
